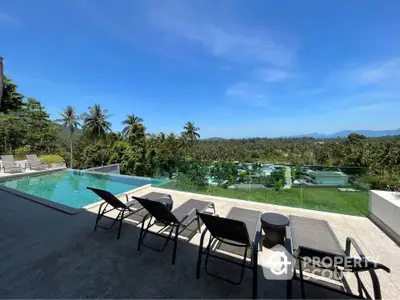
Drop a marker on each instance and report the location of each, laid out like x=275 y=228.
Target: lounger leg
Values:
x=175 y=244
x=200 y=254
x=303 y=292
x=120 y=224
x=289 y=289
x=198 y=224
x=99 y=215
x=141 y=234
x=97 y=221
x=255 y=271
x=213 y=207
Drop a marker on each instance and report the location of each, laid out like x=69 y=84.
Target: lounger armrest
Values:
x=352 y=242
x=367 y=265
x=256 y=242
x=288 y=240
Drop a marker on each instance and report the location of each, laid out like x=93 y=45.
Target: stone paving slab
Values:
x=47 y=254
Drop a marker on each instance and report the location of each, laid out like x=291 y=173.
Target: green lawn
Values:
x=325 y=199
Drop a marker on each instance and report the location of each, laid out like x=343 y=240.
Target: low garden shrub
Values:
x=51 y=158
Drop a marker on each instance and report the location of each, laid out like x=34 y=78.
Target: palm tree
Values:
x=191 y=132
x=70 y=121
x=161 y=137
x=131 y=122
x=95 y=122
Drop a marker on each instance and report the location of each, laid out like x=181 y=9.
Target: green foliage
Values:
x=21 y=152
x=278 y=184
x=132 y=125
x=224 y=171
x=51 y=158
x=355 y=137
x=293 y=173
x=40 y=131
x=64 y=134
x=24 y=124
x=95 y=122
x=242 y=177
x=95 y=155
x=30 y=126
x=117 y=152
x=12 y=133
x=192 y=176
x=377 y=183
x=69 y=120
x=12 y=99
x=277 y=178
x=190 y=133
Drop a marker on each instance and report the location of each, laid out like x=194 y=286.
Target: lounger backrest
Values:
x=33 y=159
x=108 y=197
x=158 y=210
x=224 y=228
x=8 y=160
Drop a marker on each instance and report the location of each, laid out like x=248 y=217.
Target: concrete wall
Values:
x=384 y=211
x=114 y=168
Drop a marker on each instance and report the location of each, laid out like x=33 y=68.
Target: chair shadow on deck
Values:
x=76 y=262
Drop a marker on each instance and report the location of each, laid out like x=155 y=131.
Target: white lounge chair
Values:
x=9 y=165
x=35 y=163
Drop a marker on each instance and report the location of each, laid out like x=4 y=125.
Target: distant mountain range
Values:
x=340 y=134
x=345 y=133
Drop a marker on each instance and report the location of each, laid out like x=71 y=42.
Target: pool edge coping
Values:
x=55 y=205
x=14 y=176
x=42 y=201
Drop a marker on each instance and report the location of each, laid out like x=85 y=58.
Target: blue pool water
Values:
x=69 y=187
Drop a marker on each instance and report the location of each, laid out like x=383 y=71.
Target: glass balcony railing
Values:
x=333 y=189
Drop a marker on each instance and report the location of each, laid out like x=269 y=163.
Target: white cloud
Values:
x=243 y=47
x=234 y=42
x=180 y=26
x=6 y=18
x=382 y=73
x=248 y=93
x=388 y=70
x=275 y=75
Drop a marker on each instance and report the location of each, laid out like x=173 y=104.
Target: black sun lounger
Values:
x=125 y=210
x=316 y=248
x=177 y=221
x=239 y=232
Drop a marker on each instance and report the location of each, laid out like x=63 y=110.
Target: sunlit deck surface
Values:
x=27 y=172
x=47 y=254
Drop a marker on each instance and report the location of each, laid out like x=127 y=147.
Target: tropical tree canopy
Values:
x=25 y=127
x=131 y=123
x=69 y=119
x=95 y=122
x=190 y=132
x=11 y=100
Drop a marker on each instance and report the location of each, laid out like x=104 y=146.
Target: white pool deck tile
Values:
x=375 y=244
x=45 y=253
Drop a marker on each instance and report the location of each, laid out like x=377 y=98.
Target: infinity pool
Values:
x=69 y=187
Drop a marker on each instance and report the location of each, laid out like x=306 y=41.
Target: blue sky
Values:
x=235 y=68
